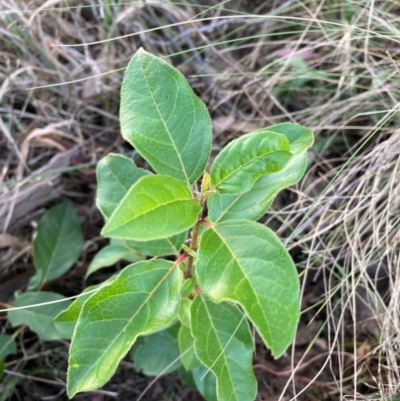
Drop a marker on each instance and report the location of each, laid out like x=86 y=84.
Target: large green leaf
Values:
x=159 y=354
x=111 y=254
x=145 y=296
x=159 y=247
x=246 y=263
x=163 y=118
x=224 y=344
x=247 y=158
x=254 y=203
x=57 y=245
x=38 y=318
x=115 y=175
x=155 y=207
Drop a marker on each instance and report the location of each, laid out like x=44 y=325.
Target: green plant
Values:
x=194 y=310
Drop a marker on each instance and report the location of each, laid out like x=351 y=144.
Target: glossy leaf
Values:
x=254 y=204
x=145 y=296
x=110 y=255
x=159 y=354
x=186 y=347
x=244 y=262
x=163 y=118
x=224 y=344
x=159 y=247
x=206 y=383
x=57 y=245
x=115 y=175
x=247 y=158
x=7 y=346
x=155 y=207
x=38 y=318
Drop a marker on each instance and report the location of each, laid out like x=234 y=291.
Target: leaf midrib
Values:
x=248 y=280
x=149 y=211
x=165 y=126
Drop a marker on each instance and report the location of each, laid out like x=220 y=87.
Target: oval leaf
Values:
x=155 y=207
x=144 y=297
x=115 y=175
x=224 y=344
x=245 y=159
x=57 y=245
x=38 y=318
x=246 y=263
x=163 y=119
x=159 y=354
x=255 y=203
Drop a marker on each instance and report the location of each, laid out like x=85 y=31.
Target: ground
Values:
x=330 y=66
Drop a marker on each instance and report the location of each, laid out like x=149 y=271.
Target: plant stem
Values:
x=193 y=247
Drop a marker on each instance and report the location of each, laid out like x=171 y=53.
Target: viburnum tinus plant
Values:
x=223 y=271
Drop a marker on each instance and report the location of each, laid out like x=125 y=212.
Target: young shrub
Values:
x=195 y=311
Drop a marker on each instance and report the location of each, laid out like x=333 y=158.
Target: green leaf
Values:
x=38 y=318
x=155 y=207
x=224 y=344
x=159 y=354
x=255 y=203
x=247 y=158
x=7 y=346
x=244 y=262
x=57 y=245
x=145 y=296
x=163 y=118
x=111 y=254
x=206 y=383
x=159 y=247
x=115 y=175
x=186 y=347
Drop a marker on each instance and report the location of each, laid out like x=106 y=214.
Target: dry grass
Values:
x=331 y=66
